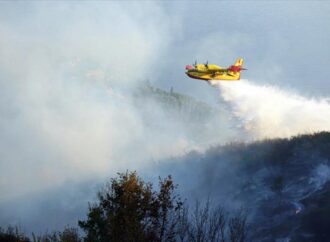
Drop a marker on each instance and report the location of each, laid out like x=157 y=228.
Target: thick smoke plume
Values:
x=269 y=112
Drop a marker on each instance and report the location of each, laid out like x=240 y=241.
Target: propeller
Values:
x=206 y=64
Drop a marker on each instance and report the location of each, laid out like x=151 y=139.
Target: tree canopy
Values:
x=128 y=209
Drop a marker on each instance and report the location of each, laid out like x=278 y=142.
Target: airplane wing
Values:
x=220 y=71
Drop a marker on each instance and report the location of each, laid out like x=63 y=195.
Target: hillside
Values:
x=200 y=122
x=174 y=103
x=283 y=184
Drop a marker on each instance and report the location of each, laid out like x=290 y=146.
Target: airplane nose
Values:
x=188 y=67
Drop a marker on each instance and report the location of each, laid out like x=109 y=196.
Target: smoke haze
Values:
x=66 y=107
x=68 y=119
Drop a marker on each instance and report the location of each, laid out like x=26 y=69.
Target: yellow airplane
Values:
x=214 y=72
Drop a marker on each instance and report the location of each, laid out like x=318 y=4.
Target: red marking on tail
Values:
x=236 y=68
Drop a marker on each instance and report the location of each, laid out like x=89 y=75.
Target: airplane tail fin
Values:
x=237 y=68
x=239 y=62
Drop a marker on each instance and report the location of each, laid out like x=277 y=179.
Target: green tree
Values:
x=128 y=209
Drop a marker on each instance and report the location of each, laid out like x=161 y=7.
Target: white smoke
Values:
x=65 y=107
x=269 y=112
x=321 y=175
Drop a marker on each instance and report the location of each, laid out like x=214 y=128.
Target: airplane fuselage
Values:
x=213 y=76
x=221 y=74
x=214 y=72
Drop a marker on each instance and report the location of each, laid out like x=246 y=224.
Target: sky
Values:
x=67 y=68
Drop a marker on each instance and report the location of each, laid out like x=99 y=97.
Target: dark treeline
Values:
x=129 y=209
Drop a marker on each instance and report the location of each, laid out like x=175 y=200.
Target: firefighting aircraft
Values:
x=209 y=72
